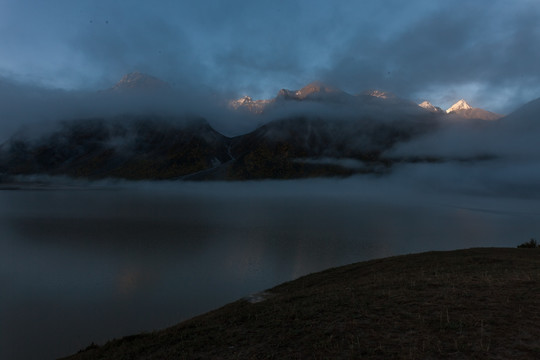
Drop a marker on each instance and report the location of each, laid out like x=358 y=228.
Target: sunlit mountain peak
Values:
x=430 y=107
x=316 y=87
x=247 y=102
x=460 y=105
x=314 y=90
x=462 y=110
x=379 y=94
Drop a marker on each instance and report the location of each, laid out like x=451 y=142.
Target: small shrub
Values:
x=89 y=347
x=530 y=244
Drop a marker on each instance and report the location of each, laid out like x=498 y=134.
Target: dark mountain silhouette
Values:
x=123 y=147
x=329 y=133
x=163 y=148
x=287 y=147
x=527 y=117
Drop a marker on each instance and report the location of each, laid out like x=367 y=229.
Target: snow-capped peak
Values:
x=243 y=100
x=427 y=105
x=460 y=105
x=247 y=102
x=430 y=107
x=380 y=94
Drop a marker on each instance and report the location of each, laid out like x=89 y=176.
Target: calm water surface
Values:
x=82 y=266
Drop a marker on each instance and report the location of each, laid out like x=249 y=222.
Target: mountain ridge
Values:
x=317 y=91
x=430 y=107
x=306 y=141
x=320 y=92
x=463 y=110
x=459 y=105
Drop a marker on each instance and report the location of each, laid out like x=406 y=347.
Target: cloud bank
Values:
x=440 y=51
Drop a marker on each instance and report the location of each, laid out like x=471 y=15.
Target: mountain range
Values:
x=319 y=92
x=329 y=133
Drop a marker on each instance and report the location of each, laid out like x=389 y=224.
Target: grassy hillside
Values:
x=476 y=303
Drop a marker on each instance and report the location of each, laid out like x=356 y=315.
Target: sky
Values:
x=484 y=50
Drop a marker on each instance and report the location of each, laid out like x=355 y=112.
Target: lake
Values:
x=87 y=264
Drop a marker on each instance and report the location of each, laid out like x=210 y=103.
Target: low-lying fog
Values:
x=111 y=259
x=90 y=261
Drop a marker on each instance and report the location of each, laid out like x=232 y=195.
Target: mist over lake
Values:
x=88 y=255
x=87 y=264
x=147 y=152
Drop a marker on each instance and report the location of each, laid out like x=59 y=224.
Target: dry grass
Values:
x=476 y=303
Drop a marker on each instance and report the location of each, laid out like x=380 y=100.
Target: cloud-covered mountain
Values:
x=320 y=93
x=317 y=146
x=247 y=103
x=315 y=131
x=139 y=81
x=313 y=92
x=526 y=117
x=511 y=138
x=129 y=147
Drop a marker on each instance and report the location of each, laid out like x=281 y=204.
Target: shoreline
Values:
x=479 y=302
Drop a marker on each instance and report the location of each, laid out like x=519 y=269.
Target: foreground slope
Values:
x=476 y=303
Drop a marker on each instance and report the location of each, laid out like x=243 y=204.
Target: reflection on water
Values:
x=88 y=265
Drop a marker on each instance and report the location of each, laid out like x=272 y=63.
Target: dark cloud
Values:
x=482 y=50
x=147 y=45
x=33 y=109
x=487 y=47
